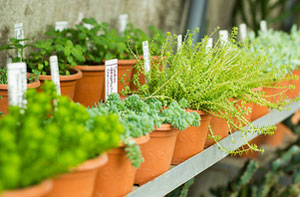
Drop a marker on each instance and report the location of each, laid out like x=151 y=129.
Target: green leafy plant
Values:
x=140 y=118
x=68 y=53
x=17 y=45
x=45 y=139
x=281 y=47
x=213 y=80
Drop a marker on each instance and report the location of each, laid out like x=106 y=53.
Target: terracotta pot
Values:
x=278 y=136
x=246 y=116
x=253 y=154
x=39 y=190
x=191 y=141
x=79 y=183
x=126 y=72
x=157 y=153
x=219 y=128
x=67 y=82
x=4 y=94
x=258 y=110
x=116 y=178
x=90 y=88
x=294 y=93
x=275 y=95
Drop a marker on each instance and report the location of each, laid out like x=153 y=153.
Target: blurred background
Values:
x=175 y=16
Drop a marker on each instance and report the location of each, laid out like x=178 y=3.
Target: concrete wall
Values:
x=38 y=15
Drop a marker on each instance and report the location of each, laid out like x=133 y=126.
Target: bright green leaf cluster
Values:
x=50 y=136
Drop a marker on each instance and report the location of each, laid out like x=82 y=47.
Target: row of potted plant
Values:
x=66 y=142
x=226 y=85
x=81 y=53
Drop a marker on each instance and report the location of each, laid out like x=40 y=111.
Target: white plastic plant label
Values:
x=111 y=77
x=263 y=26
x=243 y=32
x=17 y=83
x=88 y=26
x=55 y=73
x=146 y=56
x=61 y=25
x=209 y=44
x=223 y=35
x=179 y=41
x=123 y=20
x=19 y=34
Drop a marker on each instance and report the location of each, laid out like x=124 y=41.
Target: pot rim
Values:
x=93 y=163
x=72 y=77
x=34 y=84
x=139 y=140
x=200 y=112
x=34 y=190
x=91 y=68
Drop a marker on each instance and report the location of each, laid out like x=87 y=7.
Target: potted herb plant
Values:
x=158 y=151
x=69 y=55
x=32 y=82
x=59 y=140
x=217 y=81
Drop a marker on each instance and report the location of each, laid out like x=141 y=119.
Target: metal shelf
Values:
x=183 y=172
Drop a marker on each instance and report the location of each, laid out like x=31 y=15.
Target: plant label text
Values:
x=111 y=77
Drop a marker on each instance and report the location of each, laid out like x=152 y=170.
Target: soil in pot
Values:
x=258 y=110
x=39 y=190
x=191 y=141
x=219 y=128
x=116 y=178
x=4 y=95
x=157 y=153
x=295 y=92
x=67 y=82
x=79 y=183
x=90 y=88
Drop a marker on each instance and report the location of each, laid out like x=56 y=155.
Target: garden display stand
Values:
x=183 y=172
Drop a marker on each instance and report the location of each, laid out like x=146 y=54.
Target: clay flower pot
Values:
x=258 y=110
x=277 y=138
x=79 y=183
x=39 y=190
x=157 y=153
x=191 y=141
x=90 y=89
x=116 y=178
x=67 y=82
x=219 y=128
x=277 y=94
x=295 y=92
x=246 y=116
x=126 y=72
x=4 y=94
